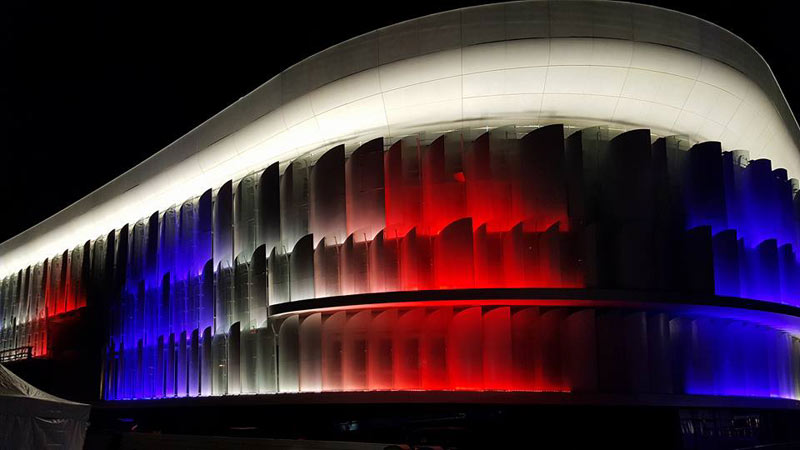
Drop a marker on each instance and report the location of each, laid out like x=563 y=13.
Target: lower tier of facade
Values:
x=562 y=345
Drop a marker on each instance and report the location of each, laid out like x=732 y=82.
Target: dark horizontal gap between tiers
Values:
x=579 y=295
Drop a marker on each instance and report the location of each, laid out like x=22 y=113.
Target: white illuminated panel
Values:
x=525 y=82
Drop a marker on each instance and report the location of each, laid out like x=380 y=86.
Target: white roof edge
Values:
x=274 y=93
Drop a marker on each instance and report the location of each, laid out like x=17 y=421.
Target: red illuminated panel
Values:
x=549 y=376
x=384 y=263
x=354 y=351
x=50 y=290
x=438 y=347
x=523 y=256
x=498 y=355
x=64 y=282
x=402 y=183
x=432 y=349
x=67 y=300
x=416 y=262
x=465 y=350
x=526 y=351
x=511 y=192
x=443 y=190
x=380 y=348
x=488 y=254
x=488 y=187
x=453 y=256
x=408 y=337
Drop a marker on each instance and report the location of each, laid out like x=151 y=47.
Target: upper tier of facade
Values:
x=581 y=63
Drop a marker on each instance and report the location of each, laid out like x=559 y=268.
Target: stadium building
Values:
x=529 y=202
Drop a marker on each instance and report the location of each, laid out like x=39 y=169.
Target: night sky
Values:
x=87 y=92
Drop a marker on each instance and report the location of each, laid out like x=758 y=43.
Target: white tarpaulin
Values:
x=32 y=419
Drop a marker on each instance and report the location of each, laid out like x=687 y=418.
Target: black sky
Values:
x=87 y=92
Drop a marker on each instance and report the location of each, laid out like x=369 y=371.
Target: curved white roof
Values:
x=528 y=63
